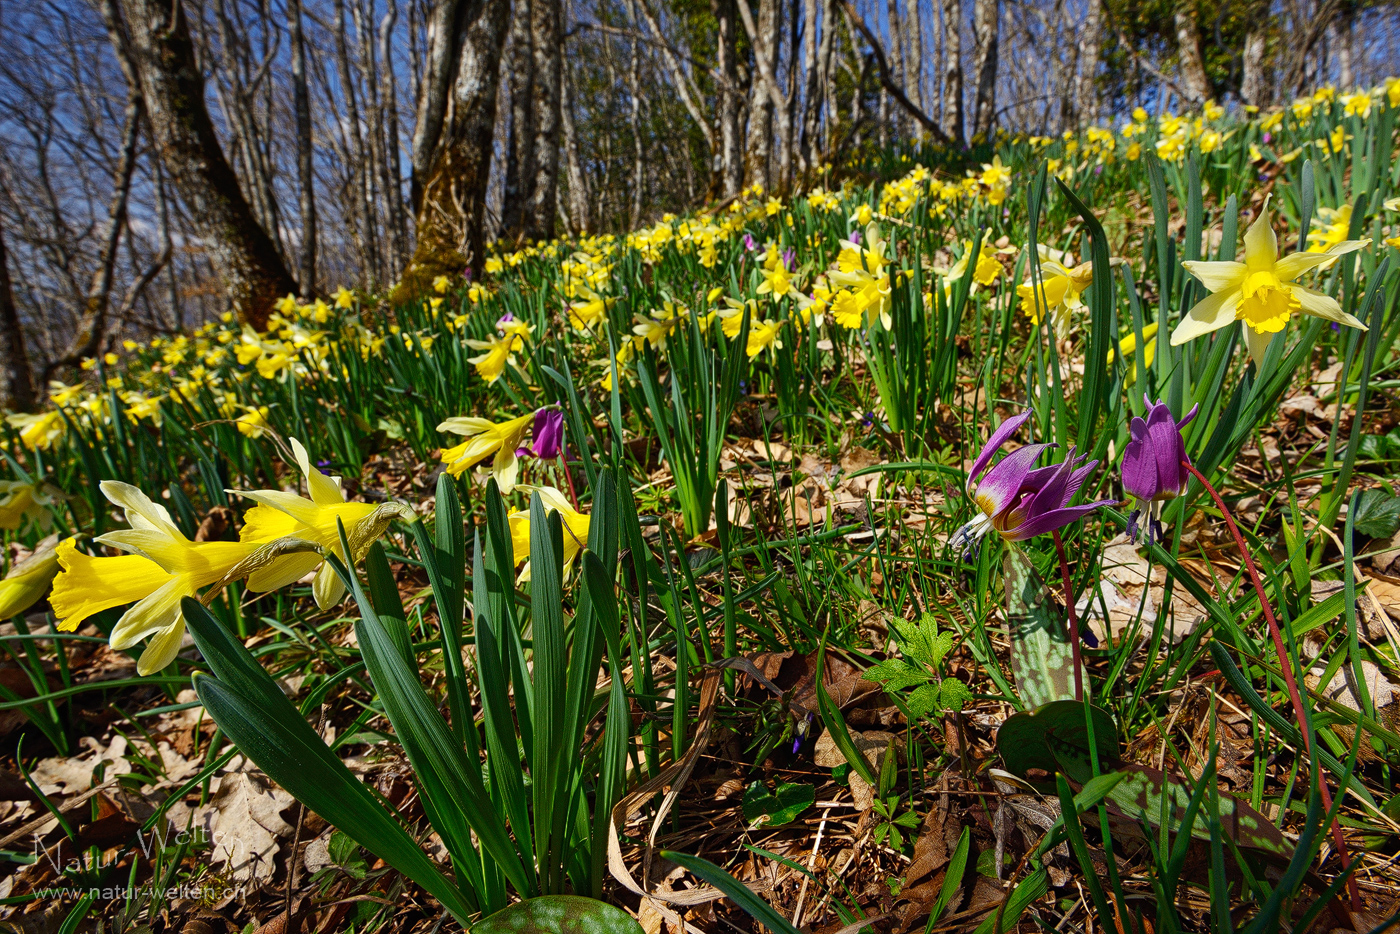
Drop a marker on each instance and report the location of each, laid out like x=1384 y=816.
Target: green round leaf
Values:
x=1022 y=738
x=559 y=914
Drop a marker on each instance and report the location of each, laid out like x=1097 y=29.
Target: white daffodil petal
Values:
x=1323 y=306
x=1218 y=277
x=1209 y=314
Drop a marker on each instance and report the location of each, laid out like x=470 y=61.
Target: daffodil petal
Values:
x=328 y=588
x=299 y=508
x=1260 y=244
x=283 y=571
x=1209 y=314
x=162 y=648
x=140 y=511
x=1295 y=264
x=88 y=585
x=505 y=468
x=1258 y=344
x=1323 y=306
x=1218 y=277
x=324 y=491
x=158 y=610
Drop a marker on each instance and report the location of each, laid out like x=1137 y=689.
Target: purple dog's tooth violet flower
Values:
x=547 y=433
x=749 y=243
x=788 y=256
x=1018 y=500
x=1153 y=470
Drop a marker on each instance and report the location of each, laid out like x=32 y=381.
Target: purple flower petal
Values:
x=1052 y=520
x=994 y=443
x=547 y=433
x=1000 y=487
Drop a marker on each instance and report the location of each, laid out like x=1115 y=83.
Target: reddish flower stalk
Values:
x=1286 y=666
x=1073 y=620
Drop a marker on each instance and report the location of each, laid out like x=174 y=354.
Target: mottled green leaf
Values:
x=1023 y=739
x=1139 y=794
x=1041 y=658
x=559 y=914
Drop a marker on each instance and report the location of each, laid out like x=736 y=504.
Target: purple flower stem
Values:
x=1286 y=666
x=1073 y=620
x=568 y=477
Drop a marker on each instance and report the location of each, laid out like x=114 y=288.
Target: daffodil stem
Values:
x=1286 y=666
x=1073 y=619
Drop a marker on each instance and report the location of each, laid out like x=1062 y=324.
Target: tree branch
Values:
x=886 y=79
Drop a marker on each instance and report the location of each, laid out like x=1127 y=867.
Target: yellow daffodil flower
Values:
x=282 y=515
x=1260 y=292
x=161 y=567
x=20 y=501
x=440 y=284
x=1063 y=284
x=575 y=528
x=253 y=423
x=499 y=353
x=1128 y=344
x=485 y=438
x=1333 y=229
x=344 y=298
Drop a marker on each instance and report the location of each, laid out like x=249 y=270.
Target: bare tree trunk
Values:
x=453 y=141
x=896 y=55
x=986 y=24
x=241 y=251
x=520 y=138
x=306 y=187
x=1188 y=48
x=393 y=165
x=764 y=99
x=731 y=161
x=1254 y=88
x=17 y=382
x=811 y=85
x=953 y=70
x=634 y=121
x=1343 y=40
x=689 y=94
x=914 y=79
x=364 y=207
x=578 y=181
x=1090 y=44
x=545 y=35
x=375 y=174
